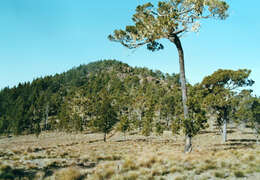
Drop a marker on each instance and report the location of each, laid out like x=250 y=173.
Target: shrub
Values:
x=129 y=165
x=68 y=174
x=220 y=174
x=239 y=174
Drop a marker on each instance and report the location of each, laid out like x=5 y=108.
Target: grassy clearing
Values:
x=81 y=156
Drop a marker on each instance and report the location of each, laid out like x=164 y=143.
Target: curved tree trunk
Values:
x=177 y=42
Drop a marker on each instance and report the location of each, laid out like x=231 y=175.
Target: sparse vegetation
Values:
x=221 y=175
x=108 y=120
x=239 y=174
x=60 y=155
x=68 y=174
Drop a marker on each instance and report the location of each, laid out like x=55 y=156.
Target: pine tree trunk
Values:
x=224 y=131
x=140 y=121
x=188 y=145
x=177 y=42
x=257 y=136
x=46 y=116
x=105 y=137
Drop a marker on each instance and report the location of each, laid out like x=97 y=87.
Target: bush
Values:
x=239 y=174
x=220 y=175
x=68 y=174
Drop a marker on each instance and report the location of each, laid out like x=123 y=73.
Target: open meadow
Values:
x=63 y=156
x=139 y=90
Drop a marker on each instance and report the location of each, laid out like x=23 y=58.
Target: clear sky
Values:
x=45 y=37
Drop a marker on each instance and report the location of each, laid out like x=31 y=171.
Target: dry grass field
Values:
x=62 y=156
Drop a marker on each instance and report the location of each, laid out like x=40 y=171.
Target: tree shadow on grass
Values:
x=241 y=146
x=242 y=140
x=236 y=144
x=217 y=132
x=248 y=133
x=8 y=172
x=152 y=141
x=209 y=132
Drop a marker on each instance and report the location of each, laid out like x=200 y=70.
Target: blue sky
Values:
x=45 y=37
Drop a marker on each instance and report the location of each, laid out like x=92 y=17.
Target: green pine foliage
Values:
x=220 y=88
x=110 y=95
x=248 y=110
x=105 y=115
x=72 y=101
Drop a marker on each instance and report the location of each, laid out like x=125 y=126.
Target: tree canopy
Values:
x=220 y=89
x=169 y=20
x=166 y=20
x=69 y=101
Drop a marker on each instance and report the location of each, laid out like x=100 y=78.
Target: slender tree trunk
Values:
x=224 y=127
x=257 y=136
x=224 y=131
x=46 y=116
x=177 y=42
x=140 y=121
x=105 y=137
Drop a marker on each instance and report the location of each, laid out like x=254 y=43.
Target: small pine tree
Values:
x=248 y=111
x=124 y=124
x=159 y=128
x=106 y=116
x=219 y=90
x=148 y=119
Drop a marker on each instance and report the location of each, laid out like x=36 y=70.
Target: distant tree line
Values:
x=107 y=95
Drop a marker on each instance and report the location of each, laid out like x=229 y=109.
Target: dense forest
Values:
x=109 y=94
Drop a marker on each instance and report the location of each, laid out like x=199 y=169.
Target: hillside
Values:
x=139 y=113
x=66 y=101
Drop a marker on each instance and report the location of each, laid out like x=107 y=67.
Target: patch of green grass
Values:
x=129 y=164
x=156 y=172
x=239 y=174
x=175 y=169
x=165 y=172
x=205 y=178
x=148 y=162
x=198 y=171
x=17 y=151
x=7 y=172
x=220 y=174
x=188 y=167
x=107 y=174
x=251 y=157
x=108 y=158
x=68 y=174
x=16 y=158
x=249 y=171
x=223 y=164
x=64 y=154
x=181 y=178
x=132 y=175
x=209 y=166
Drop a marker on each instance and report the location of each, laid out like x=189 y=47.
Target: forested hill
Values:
x=70 y=101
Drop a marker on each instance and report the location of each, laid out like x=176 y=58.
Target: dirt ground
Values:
x=57 y=155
